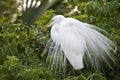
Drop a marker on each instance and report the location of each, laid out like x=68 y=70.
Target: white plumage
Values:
x=75 y=40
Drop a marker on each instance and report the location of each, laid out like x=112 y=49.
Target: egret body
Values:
x=74 y=40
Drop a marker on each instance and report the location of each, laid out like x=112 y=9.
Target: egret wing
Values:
x=99 y=48
x=72 y=44
x=79 y=38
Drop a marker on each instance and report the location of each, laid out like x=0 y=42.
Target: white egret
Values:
x=74 y=40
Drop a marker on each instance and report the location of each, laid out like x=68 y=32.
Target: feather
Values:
x=77 y=39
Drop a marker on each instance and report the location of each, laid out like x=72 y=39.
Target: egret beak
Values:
x=47 y=25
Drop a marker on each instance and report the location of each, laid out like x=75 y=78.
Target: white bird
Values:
x=74 y=40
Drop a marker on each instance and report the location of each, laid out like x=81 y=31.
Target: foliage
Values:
x=8 y=9
x=20 y=40
x=91 y=76
x=12 y=69
x=21 y=46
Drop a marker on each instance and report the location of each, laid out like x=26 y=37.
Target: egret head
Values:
x=57 y=19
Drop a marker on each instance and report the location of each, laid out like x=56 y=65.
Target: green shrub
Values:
x=21 y=45
x=12 y=69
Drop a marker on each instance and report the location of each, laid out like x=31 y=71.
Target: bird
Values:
x=77 y=41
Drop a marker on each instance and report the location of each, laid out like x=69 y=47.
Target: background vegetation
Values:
x=22 y=41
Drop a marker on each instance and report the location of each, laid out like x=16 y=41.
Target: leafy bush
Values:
x=91 y=76
x=21 y=45
x=12 y=69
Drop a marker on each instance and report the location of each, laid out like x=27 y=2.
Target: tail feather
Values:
x=99 y=48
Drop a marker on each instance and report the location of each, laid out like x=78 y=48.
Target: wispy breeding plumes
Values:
x=76 y=40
